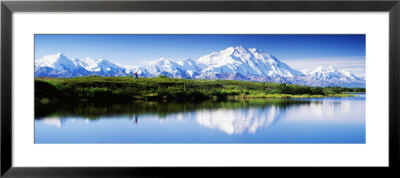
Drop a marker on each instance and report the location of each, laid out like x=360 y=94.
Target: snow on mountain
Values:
x=328 y=72
x=102 y=67
x=58 y=62
x=130 y=70
x=247 y=62
x=190 y=66
x=329 y=76
x=59 y=65
x=233 y=63
x=165 y=67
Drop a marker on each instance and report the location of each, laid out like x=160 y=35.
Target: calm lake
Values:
x=310 y=120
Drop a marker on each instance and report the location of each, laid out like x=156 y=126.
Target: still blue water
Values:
x=314 y=120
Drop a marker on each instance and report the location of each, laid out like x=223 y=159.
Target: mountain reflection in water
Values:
x=240 y=117
x=229 y=116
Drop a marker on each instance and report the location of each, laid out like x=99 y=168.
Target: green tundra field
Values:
x=128 y=88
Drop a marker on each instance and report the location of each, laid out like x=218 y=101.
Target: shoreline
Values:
x=165 y=99
x=120 y=89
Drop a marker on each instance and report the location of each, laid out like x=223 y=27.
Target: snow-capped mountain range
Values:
x=233 y=63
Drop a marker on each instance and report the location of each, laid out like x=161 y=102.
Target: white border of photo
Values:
x=373 y=153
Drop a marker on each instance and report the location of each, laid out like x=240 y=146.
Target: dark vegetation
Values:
x=94 y=110
x=95 y=88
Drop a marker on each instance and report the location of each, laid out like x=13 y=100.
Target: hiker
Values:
x=136 y=75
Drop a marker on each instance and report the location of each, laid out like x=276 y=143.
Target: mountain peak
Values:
x=162 y=60
x=324 y=68
x=52 y=58
x=187 y=60
x=240 y=59
x=61 y=54
x=330 y=76
x=239 y=49
x=58 y=61
x=328 y=71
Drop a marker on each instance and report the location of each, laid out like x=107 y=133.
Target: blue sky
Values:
x=299 y=51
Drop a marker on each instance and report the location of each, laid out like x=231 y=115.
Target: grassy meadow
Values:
x=95 y=88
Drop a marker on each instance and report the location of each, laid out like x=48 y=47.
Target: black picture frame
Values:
x=8 y=7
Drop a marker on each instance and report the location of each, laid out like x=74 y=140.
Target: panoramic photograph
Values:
x=200 y=89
